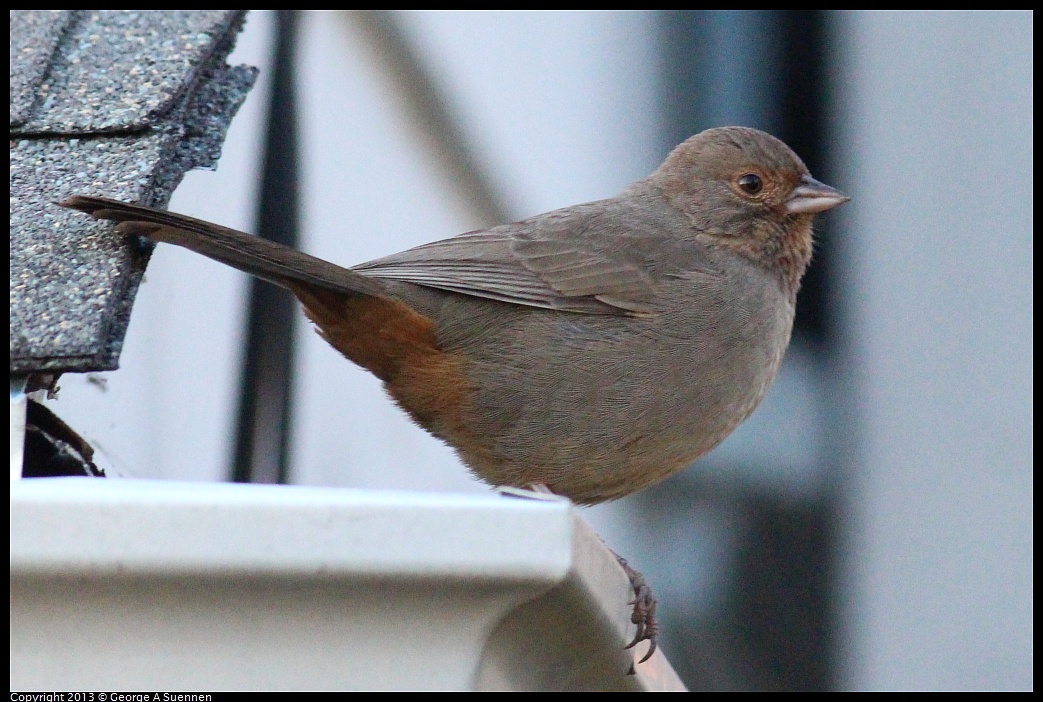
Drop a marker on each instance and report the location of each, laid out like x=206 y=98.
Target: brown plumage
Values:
x=595 y=349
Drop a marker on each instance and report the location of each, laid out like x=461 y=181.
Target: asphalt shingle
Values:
x=113 y=103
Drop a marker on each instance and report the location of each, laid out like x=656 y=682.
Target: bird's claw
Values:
x=643 y=616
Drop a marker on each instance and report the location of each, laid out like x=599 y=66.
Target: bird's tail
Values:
x=265 y=259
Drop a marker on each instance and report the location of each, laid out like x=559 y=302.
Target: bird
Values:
x=590 y=351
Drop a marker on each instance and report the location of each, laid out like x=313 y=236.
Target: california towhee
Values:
x=594 y=350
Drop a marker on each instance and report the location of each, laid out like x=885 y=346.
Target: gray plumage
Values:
x=603 y=346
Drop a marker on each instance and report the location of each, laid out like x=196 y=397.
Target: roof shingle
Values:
x=113 y=103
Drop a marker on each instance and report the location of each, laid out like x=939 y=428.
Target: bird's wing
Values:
x=577 y=260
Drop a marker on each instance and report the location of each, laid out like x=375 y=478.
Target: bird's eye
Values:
x=751 y=183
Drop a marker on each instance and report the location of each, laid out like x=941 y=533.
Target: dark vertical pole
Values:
x=804 y=100
x=767 y=69
x=266 y=391
x=796 y=603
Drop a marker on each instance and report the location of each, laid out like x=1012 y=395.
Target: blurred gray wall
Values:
x=936 y=134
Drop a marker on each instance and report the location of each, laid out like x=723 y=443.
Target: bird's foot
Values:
x=643 y=615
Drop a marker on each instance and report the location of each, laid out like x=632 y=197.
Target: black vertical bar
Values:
x=266 y=391
x=804 y=100
x=767 y=69
x=803 y=535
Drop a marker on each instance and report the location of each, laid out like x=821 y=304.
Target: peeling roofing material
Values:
x=115 y=103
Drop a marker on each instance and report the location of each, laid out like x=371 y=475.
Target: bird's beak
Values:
x=812 y=196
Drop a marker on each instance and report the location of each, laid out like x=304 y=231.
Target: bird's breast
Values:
x=598 y=406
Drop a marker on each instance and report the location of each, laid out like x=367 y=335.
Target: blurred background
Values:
x=870 y=527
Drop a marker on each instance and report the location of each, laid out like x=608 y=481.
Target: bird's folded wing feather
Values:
x=553 y=261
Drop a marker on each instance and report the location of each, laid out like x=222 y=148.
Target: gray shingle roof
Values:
x=107 y=102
